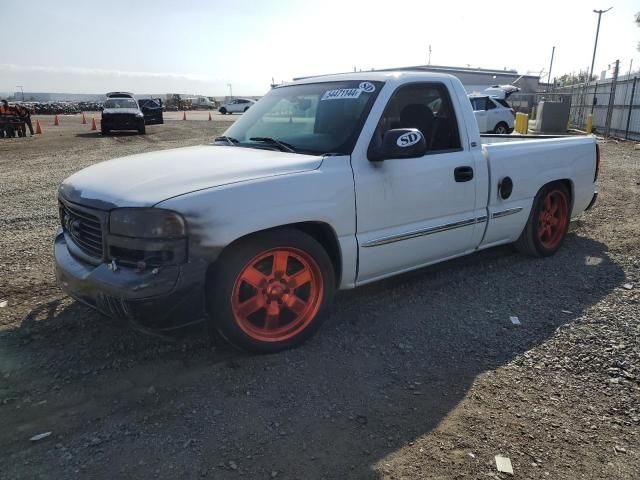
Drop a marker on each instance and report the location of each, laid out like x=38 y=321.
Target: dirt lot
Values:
x=421 y=376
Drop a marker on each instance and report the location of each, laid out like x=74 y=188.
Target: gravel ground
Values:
x=420 y=376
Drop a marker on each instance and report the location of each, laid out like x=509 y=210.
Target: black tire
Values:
x=223 y=111
x=142 y=129
x=224 y=282
x=531 y=242
x=501 y=128
x=104 y=130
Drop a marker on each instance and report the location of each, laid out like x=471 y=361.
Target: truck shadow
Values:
x=392 y=361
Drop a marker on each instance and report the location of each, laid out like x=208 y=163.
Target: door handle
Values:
x=463 y=174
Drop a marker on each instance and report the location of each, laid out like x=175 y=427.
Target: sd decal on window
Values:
x=367 y=87
x=341 y=93
x=408 y=139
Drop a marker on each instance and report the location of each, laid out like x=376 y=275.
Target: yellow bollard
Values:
x=525 y=124
x=589 y=124
x=517 y=124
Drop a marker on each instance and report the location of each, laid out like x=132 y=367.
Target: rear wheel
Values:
x=548 y=222
x=223 y=111
x=501 y=129
x=269 y=292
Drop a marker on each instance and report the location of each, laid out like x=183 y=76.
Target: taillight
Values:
x=595 y=177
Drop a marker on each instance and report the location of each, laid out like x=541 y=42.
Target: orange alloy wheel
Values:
x=277 y=294
x=553 y=219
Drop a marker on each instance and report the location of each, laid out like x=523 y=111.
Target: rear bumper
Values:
x=171 y=296
x=592 y=202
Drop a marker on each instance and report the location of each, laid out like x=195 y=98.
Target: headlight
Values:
x=147 y=223
x=139 y=115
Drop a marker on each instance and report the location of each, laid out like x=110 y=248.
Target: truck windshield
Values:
x=313 y=118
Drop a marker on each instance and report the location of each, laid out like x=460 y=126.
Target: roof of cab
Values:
x=119 y=95
x=398 y=76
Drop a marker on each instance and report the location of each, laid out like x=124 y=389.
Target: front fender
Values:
x=219 y=216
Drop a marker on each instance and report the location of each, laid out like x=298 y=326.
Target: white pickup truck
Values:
x=326 y=183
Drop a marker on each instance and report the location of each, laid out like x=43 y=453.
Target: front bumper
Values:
x=169 y=296
x=122 y=122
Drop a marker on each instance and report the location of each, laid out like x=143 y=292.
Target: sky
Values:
x=202 y=46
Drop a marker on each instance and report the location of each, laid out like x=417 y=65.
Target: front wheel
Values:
x=501 y=129
x=548 y=222
x=223 y=111
x=269 y=292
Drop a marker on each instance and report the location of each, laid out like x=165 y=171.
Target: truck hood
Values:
x=149 y=178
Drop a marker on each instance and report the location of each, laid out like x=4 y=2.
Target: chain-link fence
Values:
x=614 y=104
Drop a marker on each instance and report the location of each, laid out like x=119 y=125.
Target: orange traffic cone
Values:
x=209 y=116
x=184 y=115
x=84 y=119
x=38 y=127
x=56 y=122
x=93 y=124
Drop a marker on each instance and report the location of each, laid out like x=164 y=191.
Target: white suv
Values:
x=238 y=105
x=493 y=115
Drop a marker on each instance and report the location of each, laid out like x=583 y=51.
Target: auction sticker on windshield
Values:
x=341 y=93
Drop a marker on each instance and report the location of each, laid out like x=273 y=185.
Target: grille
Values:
x=83 y=228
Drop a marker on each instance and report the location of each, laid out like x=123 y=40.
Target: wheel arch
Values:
x=322 y=232
x=568 y=183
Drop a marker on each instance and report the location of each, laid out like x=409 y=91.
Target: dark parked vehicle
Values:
x=121 y=112
x=152 y=110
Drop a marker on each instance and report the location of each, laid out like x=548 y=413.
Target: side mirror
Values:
x=399 y=143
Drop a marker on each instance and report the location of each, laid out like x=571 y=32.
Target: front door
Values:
x=416 y=211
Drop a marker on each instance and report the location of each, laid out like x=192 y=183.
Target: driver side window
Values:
x=426 y=107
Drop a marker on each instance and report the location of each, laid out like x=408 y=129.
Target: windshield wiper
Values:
x=230 y=140
x=284 y=146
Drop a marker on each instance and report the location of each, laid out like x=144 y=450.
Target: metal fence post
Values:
x=612 y=95
x=633 y=91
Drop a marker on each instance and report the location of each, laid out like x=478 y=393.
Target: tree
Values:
x=573 y=79
x=638 y=24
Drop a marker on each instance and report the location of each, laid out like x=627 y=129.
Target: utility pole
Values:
x=20 y=87
x=553 y=51
x=429 y=55
x=230 y=91
x=595 y=46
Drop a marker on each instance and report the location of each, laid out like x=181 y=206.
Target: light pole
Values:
x=21 y=90
x=230 y=91
x=595 y=46
x=550 y=66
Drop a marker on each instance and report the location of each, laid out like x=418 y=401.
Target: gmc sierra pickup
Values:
x=328 y=182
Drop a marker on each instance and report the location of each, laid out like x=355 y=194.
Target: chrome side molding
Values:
x=423 y=231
